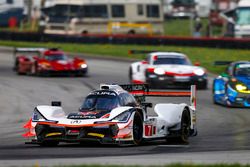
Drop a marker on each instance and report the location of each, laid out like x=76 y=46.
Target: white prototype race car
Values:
x=114 y=114
x=166 y=69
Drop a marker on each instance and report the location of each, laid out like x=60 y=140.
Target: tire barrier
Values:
x=231 y=43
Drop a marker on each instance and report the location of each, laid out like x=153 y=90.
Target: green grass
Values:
x=206 y=56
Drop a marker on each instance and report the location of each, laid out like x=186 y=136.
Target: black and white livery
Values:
x=167 y=69
x=115 y=114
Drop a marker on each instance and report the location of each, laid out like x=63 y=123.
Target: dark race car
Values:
x=232 y=88
x=45 y=62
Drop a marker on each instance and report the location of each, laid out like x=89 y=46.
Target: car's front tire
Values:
x=137 y=128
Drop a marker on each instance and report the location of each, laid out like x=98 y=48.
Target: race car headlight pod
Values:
x=159 y=71
x=240 y=87
x=45 y=65
x=83 y=65
x=123 y=117
x=199 y=72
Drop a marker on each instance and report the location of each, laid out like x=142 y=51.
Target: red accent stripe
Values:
x=105 y=116
x=137 y=82
x=151 y=70
x=123 y=136
x=178 y=74
x=167 y=94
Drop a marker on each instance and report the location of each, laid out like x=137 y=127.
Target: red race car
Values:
x=46 y=62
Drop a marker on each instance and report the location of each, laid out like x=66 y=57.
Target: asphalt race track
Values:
x=220 y=129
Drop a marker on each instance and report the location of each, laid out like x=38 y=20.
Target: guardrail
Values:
x=231 y=43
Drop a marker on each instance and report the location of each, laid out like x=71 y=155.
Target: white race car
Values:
x=114 y=114
x=167 y=69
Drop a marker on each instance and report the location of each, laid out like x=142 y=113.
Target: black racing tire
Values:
x=202 y=85
x=137 y=128
x=48 y=143
x=185 y=127
x=130 y=72
x=17 y=69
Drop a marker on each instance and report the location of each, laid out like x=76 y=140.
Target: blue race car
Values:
x=232 y=88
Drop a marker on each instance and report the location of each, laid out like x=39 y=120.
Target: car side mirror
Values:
x=35 y=57
x=144 y=62
x=197 y=63
x=145 y=104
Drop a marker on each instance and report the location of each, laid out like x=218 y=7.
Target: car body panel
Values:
x=225 y=87
x=42 y=61
x=171 y=74
x=116 y=126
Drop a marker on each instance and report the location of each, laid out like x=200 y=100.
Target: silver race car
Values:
x=166 y=69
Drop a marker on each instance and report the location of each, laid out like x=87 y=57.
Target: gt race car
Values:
x=114 y=114
x=232 y=88
x=166 y=69
x=45 y=62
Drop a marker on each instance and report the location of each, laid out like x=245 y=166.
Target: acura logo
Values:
x=75 y=122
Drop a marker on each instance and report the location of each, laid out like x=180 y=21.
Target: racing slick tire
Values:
x=202 y=85
x=137 y=128
x=130 y=74
x=17 y=66
x=185 y=127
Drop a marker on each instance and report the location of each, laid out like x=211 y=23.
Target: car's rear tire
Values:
x=185 y=127
x=137 y=128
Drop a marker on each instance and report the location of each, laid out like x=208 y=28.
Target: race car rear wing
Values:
x=146 y=51
x=28 y=50
x=223 y=63
x=140 y=91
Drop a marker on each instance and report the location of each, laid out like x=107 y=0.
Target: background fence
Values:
x=231 y=43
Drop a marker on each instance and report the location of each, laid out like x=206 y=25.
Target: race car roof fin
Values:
x=111 y=87
x=193 y=96
x=147 y=51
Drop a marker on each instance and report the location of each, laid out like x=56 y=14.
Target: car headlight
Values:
x=159 y=71
x=199 y=72
x=45 y=65
x=240 y=87
x=83 y=66
x=123 y=117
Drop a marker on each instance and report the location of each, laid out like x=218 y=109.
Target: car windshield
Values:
x=242 y=70
x=243 y=16
x=56 y=57
x=100 y=103
x=171 y=60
